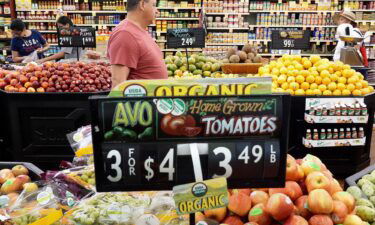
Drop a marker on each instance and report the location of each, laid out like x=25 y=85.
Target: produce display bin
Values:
x=352 y=180
x=34 y=172
x=35 y=125
x=341 y=161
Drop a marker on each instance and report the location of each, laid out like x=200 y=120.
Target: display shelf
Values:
x=71 y=11
x=286 y=25
x=47 y=31
x=293 y=11
x=176 y=50
x=227 y=28
x=335 y=119
x=257 y=40
x=168 y=18
x=303 y=54
x=39 y=21
x=96 y=25
x=5 y=15
x=333 y=143
x=228 y=13
x=180 y=8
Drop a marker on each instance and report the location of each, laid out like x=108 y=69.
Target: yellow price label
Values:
x=303 y=28
x=373 y=23
x=286 y=13
x=175 y=9
x=94 y=13
x=196 y=9
x=53 y=216
x=4 y=52
x=75 y=1
x=251 y=27
x=318 y=43
x=86 y=1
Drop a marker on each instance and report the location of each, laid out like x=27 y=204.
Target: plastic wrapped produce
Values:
x=81 y=143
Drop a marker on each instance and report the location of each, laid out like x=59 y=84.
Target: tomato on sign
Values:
x=145 y=143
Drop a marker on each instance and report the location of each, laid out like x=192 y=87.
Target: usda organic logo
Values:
x=179 y=107
x=135 y=90
x=199 y=189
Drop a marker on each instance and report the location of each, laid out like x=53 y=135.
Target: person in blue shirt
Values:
x=25 y=42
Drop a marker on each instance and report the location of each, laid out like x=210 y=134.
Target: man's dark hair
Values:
x=17 y=25
x=64 y=20
x=132 y=4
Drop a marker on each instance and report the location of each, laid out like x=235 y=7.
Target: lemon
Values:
x=357 y=93
x=300 y=79
x=307 y=64
x=309 y=92
x=272 y=64
x=285 y=86
x=290 y=91
x=365 y=91
x=275 y=71
x=317 y=92
x=361 y=77
x=336 y=92
x=313 y=86
x=359 y=86
x=310 y=79
x=331 y=70
x=304 y=73
x=291 y=79
x=346 y=92
x=324 y=73
x=371 y=88
x=318 y=80
x=342 y=80
x=290 y=73
x=299 y=92
x=326 y=81
x=274 y=77
x=338 y=73
x=350 y=87
x=314 y=73
x=287 y=63
x=333 y=77
x=352 y=80
x=327 y=92
x=346 y=67
x=279 y=64
x=274 y=85
x=364 y=83
x=337 y=66
x=322 y=67
x=281 y=79
x=294 y=86
x=341 y=86
x=312 y=69
x=314 y=58
x=322 y=87
x=283 y=70
x=305 y=86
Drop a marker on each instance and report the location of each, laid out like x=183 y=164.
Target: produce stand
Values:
x=34 y=172
x=353 y=179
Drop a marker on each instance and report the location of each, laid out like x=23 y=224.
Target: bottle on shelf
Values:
x=348 y=134
x=329 y=134
x=316 y=134
x=361 y=133
x=308 y=134
x=342 y=133
x=354 y=132
x=323 y=135
x=335 y=134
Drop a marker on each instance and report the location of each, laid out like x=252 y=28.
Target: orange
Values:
x=294 y=86
x=350 y=87
x=326 y=81
x=327 y=92
x=300 y=79
x=299 y=92
x=305 y=86
x=310 y=79
x=346 y=92
x=357 y=93
x=322 y=87
x=318 y=80
x=332 y=86
x=317 y=92
x=336 y=92
x=313 y=86
x=341 y=86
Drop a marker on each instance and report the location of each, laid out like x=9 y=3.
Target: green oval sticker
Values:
x=256 y=212
x=314 y=166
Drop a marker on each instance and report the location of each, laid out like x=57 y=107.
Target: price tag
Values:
x=318 y=43
x=230 y=30
x=196 y=10
x=6 y=28
x=251 y=28
x=303 y=28
x=93 y=13
x=175 y=10
x=4 y=52
x=186 y=38
x=75 y=1
x=373 y=23
x=291 y=40
x=77 y=37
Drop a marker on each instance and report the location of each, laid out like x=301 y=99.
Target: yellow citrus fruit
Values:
x=285 y=86
x=364 y=83
x=331 y=70
x=313 y=86
x=311 y=69
x=294 y=86
x=350 y=87
x=290 y=91
x=283 y=70
x=279 y=64
x=318 y=80
x=274 y=85
x=324 y=73
x=361 y=77
x=352 y=80
x=322 y=87
x=275 y=71
x=346 y=92
x=346 y=67
x=322 y=67
x=310 y=79
x=336 y=92
x=342 y=80
x=337 y=66
x=274 y=77
x=326 y=81
x=307 y=64
x=298 y=66
x=338 y=73
x=333 y=77
x=314 y=58
x=371 y=88
x=295 y=73
x=357 y=93
x=327 y=92
x=365 y=91
x=291 y=79
x=287 y=63
x=300 y=79
x=341 y=86
x=332 y=86
x=297 y=58
x=272 y=64
x=299 y=92
x=290 y=73
x=359 y=86
x=314 y=73
x=305 y=86
x=309 y=92
x=304 y=73
x=317 y=92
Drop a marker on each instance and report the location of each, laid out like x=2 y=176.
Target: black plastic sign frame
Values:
x=291 y=39
x=143 y=143
x=186 y=38
x=77 y=37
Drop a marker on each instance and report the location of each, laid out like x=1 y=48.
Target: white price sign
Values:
x=288 y=43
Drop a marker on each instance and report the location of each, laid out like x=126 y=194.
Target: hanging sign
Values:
x=77 y=37
x=186 y=38
x=291 y=39
x=144 y=143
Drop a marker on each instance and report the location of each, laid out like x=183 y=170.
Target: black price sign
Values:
x=186 y=38
x=77 y=37
x=147 y=143
x=291 y=39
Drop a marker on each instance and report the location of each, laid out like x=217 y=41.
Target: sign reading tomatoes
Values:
x=143 y=143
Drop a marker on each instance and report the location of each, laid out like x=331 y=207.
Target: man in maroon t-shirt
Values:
x=132 y=51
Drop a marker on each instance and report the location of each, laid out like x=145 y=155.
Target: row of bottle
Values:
x=164 y=25
x=36 y=15
x=5 y=9
x=359 y=5
x=171 y=14
x=72 y=5
x=317 y=33
x=294 y=19
x=50 y=4
x=42 y=26
x=356 y=109
x=334 y=134
x=79 y=19
x=267 y=5
x=109 y=5
x=50 y=38
x=226 y=6
x=226 y=38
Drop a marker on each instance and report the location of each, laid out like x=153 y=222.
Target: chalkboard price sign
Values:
x=291 y=39
x=186 y=38
x=146 y=143
x=77 y=37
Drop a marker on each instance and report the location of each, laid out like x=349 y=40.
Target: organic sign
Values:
x=143 y=143
x=186 y=38
x=193 y=87
x=291 y=39
x=77 y=37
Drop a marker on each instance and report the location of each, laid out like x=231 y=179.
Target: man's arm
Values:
x=16 y=58
x=120 y=74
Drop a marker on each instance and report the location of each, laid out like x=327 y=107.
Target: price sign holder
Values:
x=291 y=39
x=77 y=37
x=186 y=38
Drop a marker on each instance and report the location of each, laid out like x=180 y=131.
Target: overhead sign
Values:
x=290 y=39
x=186 y=38
x=144 y=143
x=77 y=37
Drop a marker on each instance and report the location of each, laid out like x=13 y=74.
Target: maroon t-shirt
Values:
x=133 y=47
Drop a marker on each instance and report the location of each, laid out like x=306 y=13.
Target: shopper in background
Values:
x=66 y=52
x=132 y=51
x=25 y=42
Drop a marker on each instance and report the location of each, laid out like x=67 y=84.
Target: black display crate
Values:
x=34 y=125
x=34 y=172
x=352 y=180
x=341 y=161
